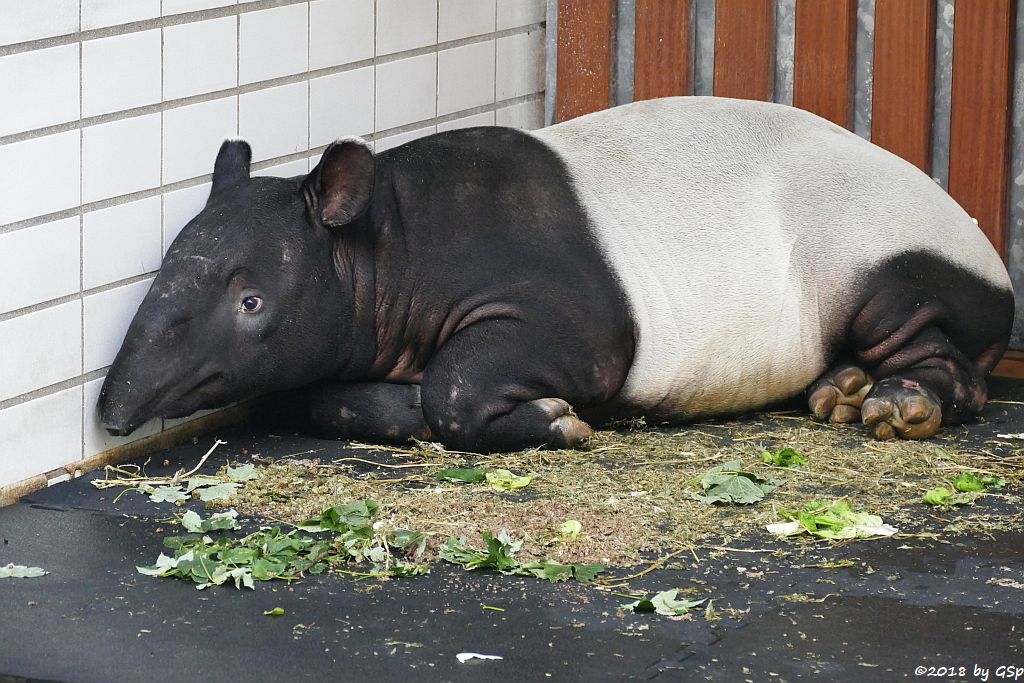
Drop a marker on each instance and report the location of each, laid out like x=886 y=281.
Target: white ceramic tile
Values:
x=200 y=57
x=484 y=119
x=465 y=77
x=406 y=91
x=120 y=72
x=44 y=83
x=96 y=439
x=275 y=122
x=340 y=105
x=40 y=349
x=120 y=157
x=340 y=32
x=181 y=6
x=289 y=169
x=273 y=42
x=193 y=134
x=105 y=321
x=120 y=242
x=405 y=25
x=514 y=13
x=22 y=164
x=40 y=435
x=392 y=141
x=525 y=115
x=25 y=20
x=39 y=263
x=520 y=65
x=180 y=207
x=100 y=13
x=464 y=18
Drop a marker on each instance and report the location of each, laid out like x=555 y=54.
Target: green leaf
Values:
x=585 y=573
x=217 y=522
x=833 y=521
x=201 y=480
x=570 y=530
x=665 y=603
x=276 y=612
x=969 y=482
x=167 y=494
x=504 y=480
x=787 y=457
x=945 y=497
x=224 y=489
x=461 y=475
x=728 y=483
x=243 y=473
x=20 y=571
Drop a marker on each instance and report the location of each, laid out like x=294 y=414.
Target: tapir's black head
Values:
x=248 y=299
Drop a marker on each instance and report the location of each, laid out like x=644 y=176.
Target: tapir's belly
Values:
x=739 y=231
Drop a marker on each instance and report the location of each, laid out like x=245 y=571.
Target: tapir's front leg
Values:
x=365 y=411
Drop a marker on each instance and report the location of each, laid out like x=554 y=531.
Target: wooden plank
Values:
x=663 y=63
x=1012 y=365
x=904 y=76
x=979 y=138
x=745 y=49
x=824 y=58
x=585 y=29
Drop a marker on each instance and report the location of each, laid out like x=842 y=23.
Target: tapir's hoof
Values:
x=837 y=396
x=567 y=430
x=903 y=408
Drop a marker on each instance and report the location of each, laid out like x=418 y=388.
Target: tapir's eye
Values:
x=251 y=304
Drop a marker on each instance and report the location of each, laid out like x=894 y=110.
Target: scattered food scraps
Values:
x=729 y=483
x=833 y=521
x=504 y=480
x=20 y=571
x=464 y=657
x=276 y=612
x=786 y=457
x=665 y=603
x=946 y=498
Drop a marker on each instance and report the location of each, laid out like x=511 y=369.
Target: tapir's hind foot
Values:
x=838 y=394
x=902 y=407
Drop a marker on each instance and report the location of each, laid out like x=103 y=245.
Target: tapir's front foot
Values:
x=837 y=395
x=902 y=407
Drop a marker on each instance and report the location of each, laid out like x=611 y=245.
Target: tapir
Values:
x=494 y=289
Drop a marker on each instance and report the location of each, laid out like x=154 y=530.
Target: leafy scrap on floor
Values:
x=20 y=571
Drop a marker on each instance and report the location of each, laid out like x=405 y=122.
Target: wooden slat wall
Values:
x=979 y=140
x=824 y=58
x=663 y=63
x=585 y=30
x=745 y=49
x=904 y=79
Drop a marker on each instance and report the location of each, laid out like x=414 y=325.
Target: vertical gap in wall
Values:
x=437 y=55
x=1015 y=253
x=551 y=62
x=944 y=11
x=625 y=51
x=785 y=45
x=494 y=37
x=81 y=227
x=309 y=85
x=864 y=79
x=373 y=133
x=704 y=48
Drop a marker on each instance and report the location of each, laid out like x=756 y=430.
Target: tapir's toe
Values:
x=838 y=394
x=902 y=408
x=567 y=430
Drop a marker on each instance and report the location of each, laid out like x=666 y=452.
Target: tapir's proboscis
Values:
x=494 y=289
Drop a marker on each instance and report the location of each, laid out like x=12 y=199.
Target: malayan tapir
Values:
x=494 y=289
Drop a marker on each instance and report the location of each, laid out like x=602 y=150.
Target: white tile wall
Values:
x=25 y=20
x=41 y=435
x=90 y=205
x=41 y=101
x=39 y=264
x=192 y=135
x=120 y=72
x=120 y=157
x=200 y=57
x=53 y=158
x=120 y=242
x=340 y=105
x=273 y=42
x=340 y=32
x=40 y=349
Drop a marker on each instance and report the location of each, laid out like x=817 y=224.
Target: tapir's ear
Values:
x=232 y=164
x=338 y=190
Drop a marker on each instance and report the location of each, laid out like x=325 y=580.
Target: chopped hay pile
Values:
x=631 y=490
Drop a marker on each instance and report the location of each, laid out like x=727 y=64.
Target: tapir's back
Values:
x=741 y=232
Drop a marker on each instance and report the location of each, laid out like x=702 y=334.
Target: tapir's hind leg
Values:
x=929 y=335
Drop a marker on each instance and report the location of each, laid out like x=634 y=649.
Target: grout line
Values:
x=64 y=385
